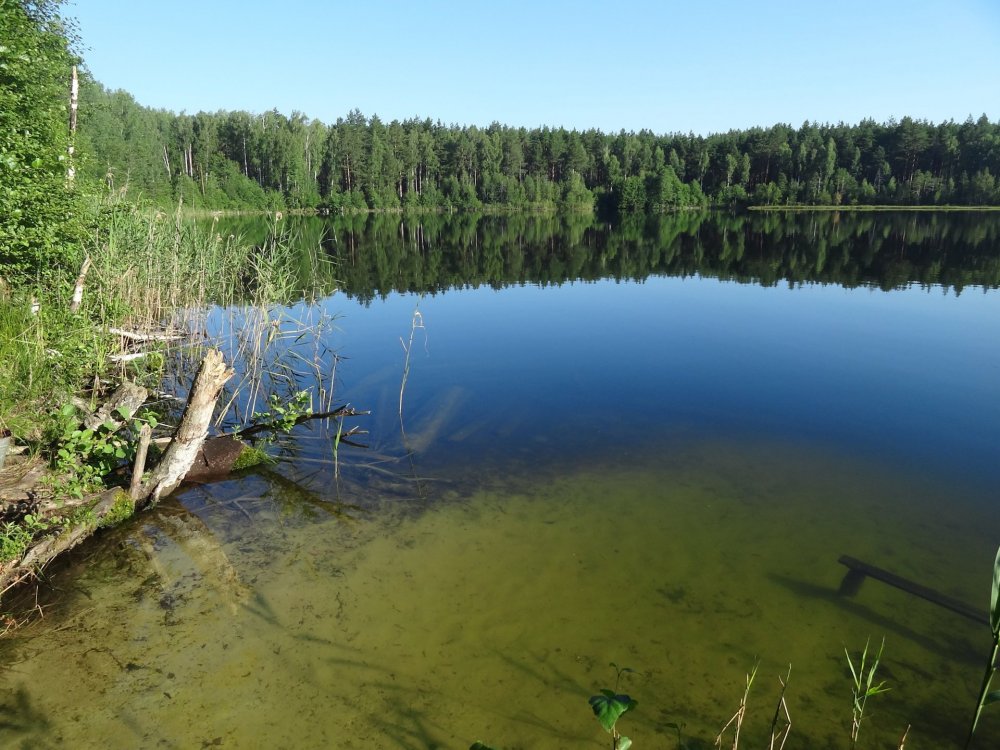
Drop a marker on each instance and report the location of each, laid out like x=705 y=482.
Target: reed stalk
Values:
x=986 y=697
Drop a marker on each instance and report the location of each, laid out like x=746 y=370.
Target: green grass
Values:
x=46 y=357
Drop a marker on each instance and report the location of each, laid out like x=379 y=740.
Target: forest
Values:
x=269 y=160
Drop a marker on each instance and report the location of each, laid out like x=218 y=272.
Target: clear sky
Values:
x=698 y=65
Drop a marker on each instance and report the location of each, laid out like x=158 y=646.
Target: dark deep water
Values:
x=646 y=443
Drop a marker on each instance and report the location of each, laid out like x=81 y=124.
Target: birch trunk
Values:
x=183 y=449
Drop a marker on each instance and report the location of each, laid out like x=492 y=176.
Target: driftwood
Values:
x=189 y=456
x=131 y=339
x=135 y=487
x=144 y=336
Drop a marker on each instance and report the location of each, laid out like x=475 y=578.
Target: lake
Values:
x=645 y=443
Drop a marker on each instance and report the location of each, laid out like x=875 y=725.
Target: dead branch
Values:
x=340 y=411
x=143 y=336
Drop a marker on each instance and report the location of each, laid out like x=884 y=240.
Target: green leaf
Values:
x=624 y=743
x=609 y=707
x=995 y=597
x=109 y=425
x=991 y=697
x=123 y=412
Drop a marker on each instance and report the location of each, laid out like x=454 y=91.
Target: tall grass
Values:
x=45 y=357
x=149 y=270
x=153 y=265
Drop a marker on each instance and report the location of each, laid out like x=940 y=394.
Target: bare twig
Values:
x=180 y=455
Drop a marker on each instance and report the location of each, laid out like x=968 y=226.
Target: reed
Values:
x=417 y=321
x=863 y=686
x=737 y=719
x=256 y=302
x=986 y=696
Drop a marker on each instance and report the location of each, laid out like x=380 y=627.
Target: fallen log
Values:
x=41 y=554
x=220 y=456
x=114 y=505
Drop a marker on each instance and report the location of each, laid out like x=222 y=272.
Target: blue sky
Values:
x=698 y=66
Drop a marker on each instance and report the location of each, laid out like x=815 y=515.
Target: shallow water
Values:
x=661 y=475
x=257 y=621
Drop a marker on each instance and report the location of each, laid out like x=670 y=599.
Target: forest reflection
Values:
x=377 y=254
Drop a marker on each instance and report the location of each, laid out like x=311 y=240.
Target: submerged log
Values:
x=858 y=570
x=216 y=459
x=206 y=553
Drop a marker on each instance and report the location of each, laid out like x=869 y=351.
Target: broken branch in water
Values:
x=341 y=411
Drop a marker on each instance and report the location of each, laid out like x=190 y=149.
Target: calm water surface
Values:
x=646 y=444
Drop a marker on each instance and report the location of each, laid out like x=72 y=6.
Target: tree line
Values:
x=270 y=160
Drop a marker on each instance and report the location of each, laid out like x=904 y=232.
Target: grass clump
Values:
x=16 y=537
x=250 y=456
